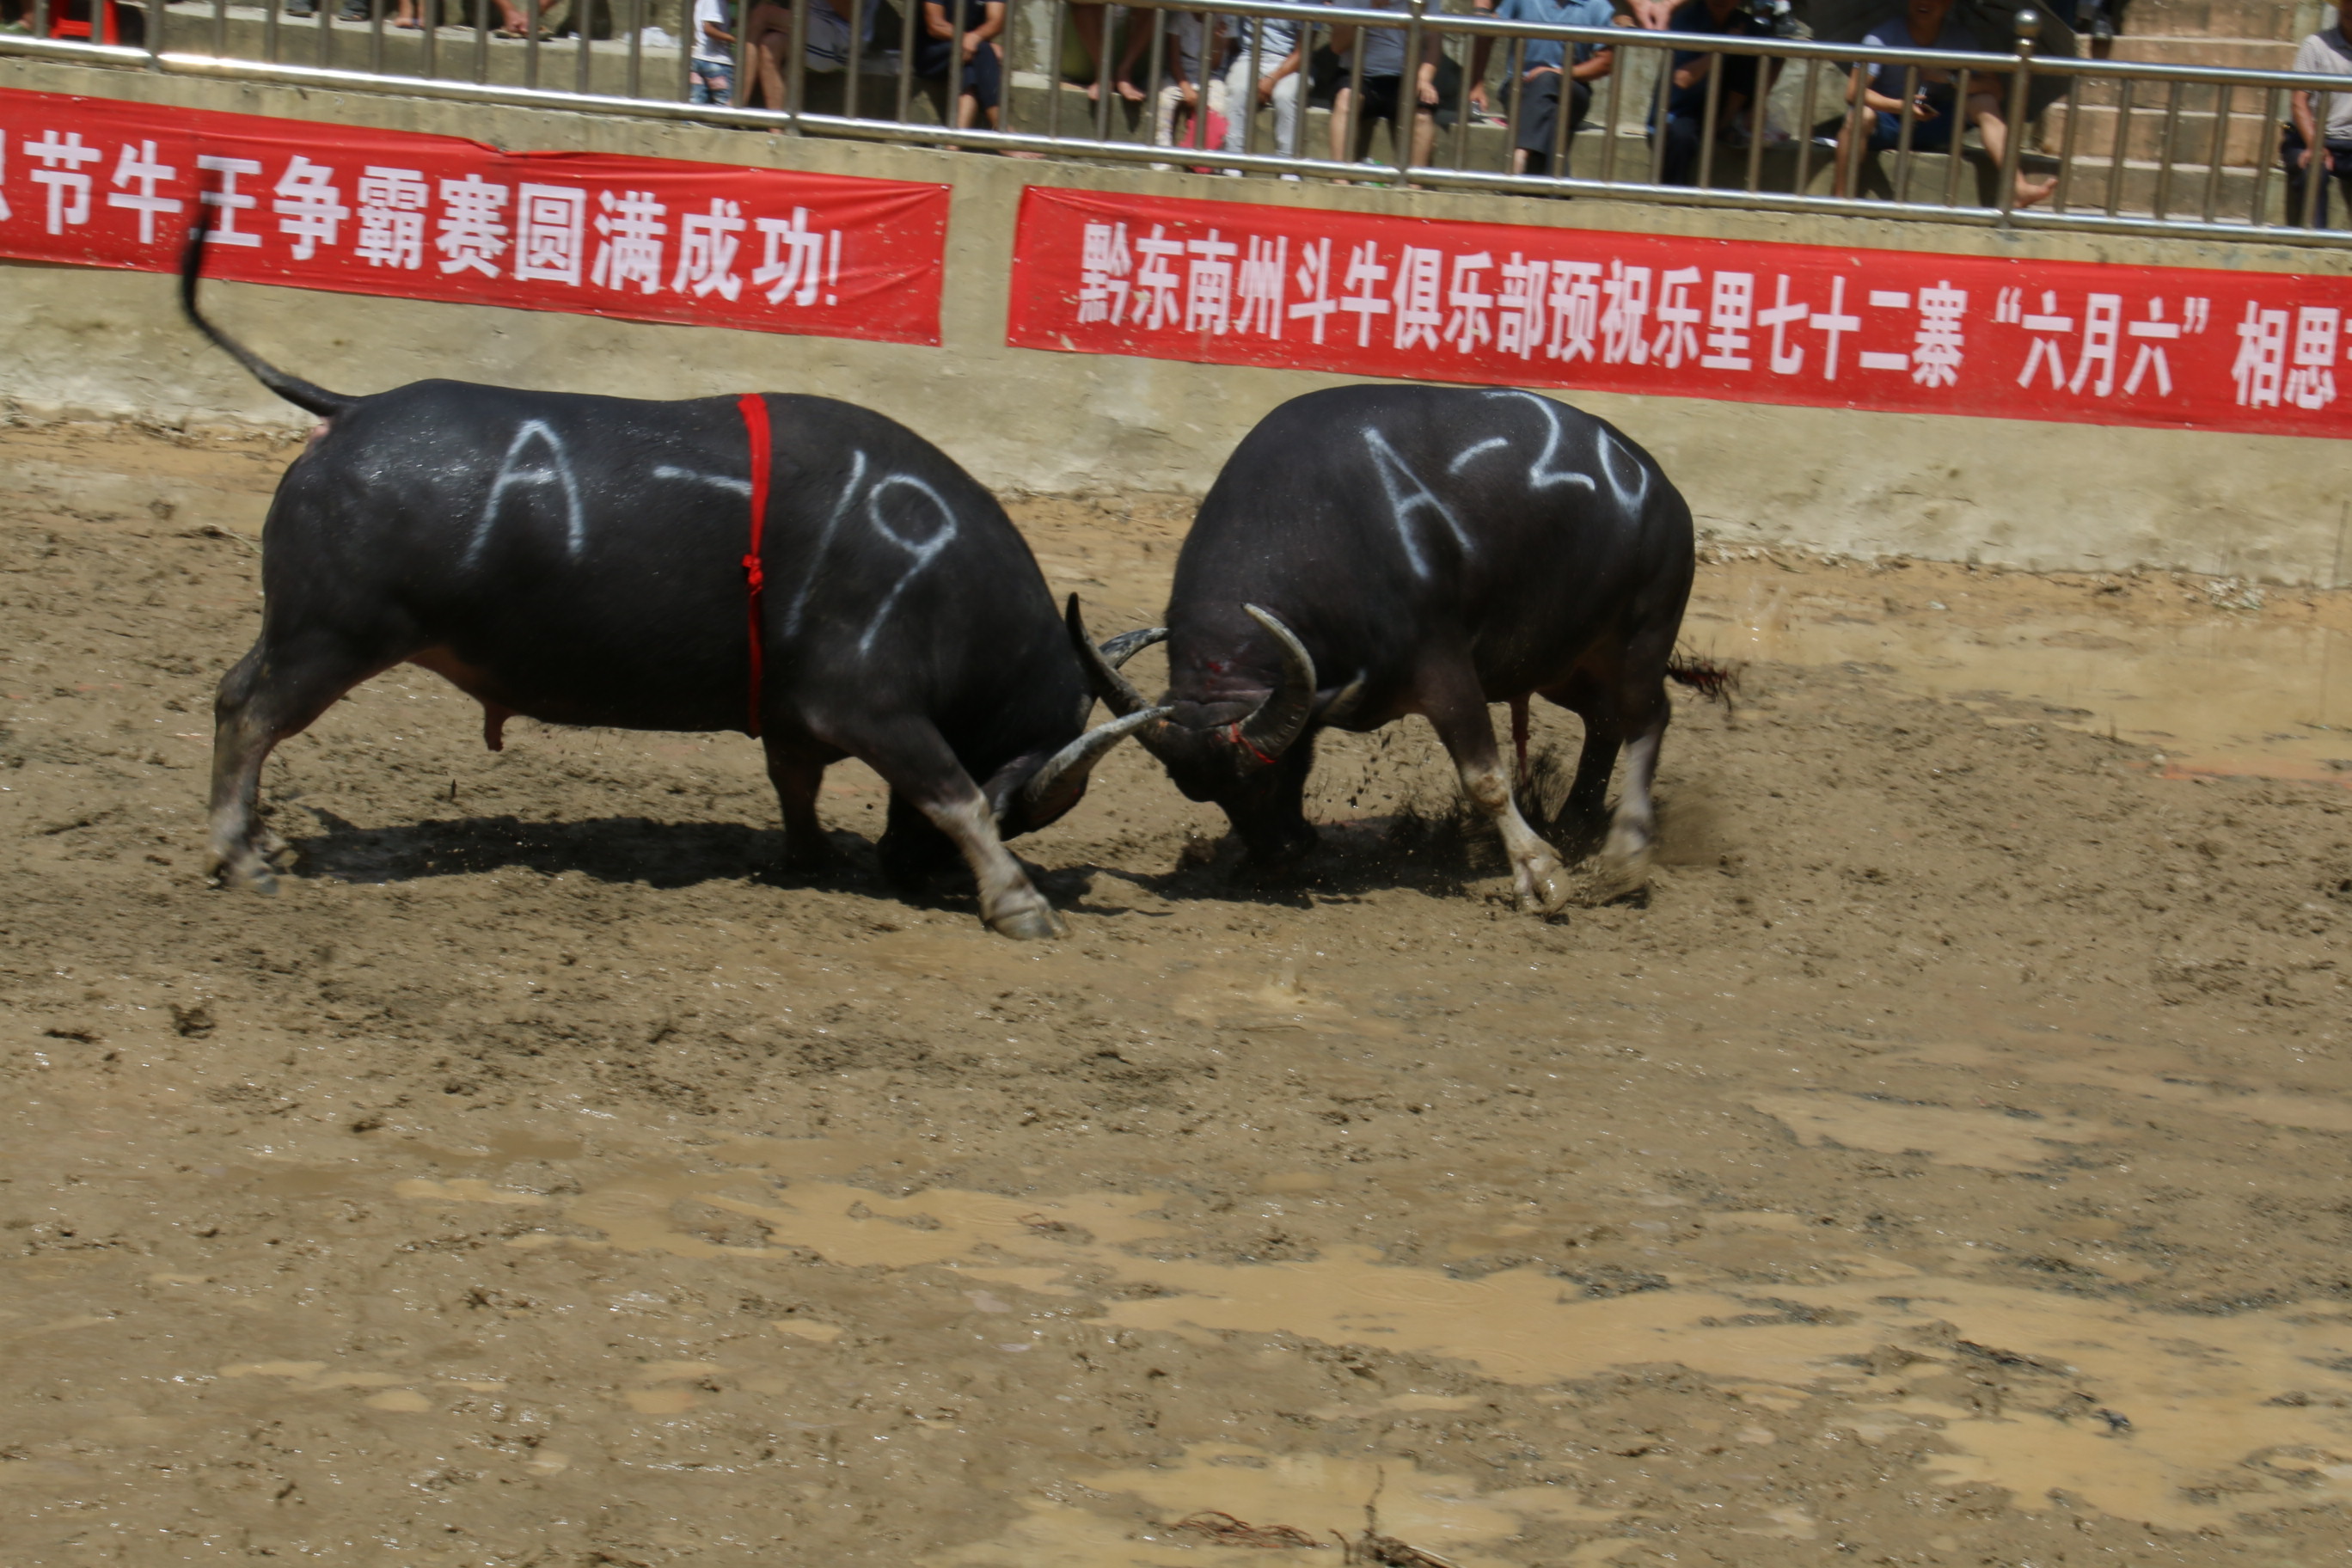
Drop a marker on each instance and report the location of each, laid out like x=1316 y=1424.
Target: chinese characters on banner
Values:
x=2078 y=342
x=99 y=184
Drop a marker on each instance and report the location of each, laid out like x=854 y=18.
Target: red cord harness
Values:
x=755 y=428
x=1234 y=733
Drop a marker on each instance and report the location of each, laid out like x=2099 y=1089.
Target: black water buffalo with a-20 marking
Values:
x=583 y=560
x=1371 y=552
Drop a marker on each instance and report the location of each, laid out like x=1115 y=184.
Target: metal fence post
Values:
x=2028 y=29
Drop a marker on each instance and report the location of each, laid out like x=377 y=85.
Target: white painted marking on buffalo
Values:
x=1542 y=475
x=556 y=469
x=1606 y=446
x=923 y=550
x=1404 y=501
x=721 y=481
x=1468 y=455
x=831 y=525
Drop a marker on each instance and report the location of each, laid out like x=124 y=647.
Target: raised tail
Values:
x=293 y=388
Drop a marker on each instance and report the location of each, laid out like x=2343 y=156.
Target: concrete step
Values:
x=2195 y=49
x=2216 y=19
x=2087 y=190
x=2250 y=137
x=2110 y=90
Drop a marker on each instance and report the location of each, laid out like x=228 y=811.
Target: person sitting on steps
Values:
x=1924 y=25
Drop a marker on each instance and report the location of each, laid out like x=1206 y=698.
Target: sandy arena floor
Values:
x=1948 y=1165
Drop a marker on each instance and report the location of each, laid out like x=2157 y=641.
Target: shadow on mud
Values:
x=609 y=848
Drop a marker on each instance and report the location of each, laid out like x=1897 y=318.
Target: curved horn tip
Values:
x=1073 y=762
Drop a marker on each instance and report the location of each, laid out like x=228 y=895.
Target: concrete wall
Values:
x=77 y=343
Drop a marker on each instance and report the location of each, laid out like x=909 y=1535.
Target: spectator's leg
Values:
x=1241 y=102
x=2339 y=164
x=1984 y=114
x=1087 y=21
x=1343 y=109
x=1424 y=133
x=1286 y=115
x=2290 y=158
x=1535 y=107
x=1681 y=151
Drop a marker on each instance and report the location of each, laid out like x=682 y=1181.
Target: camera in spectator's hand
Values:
x=1779 y=19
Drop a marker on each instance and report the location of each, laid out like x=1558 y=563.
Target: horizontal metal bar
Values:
x=1091 y=150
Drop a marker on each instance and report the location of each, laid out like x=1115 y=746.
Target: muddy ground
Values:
x=1946 y=1164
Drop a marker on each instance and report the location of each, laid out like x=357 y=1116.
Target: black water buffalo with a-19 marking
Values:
x=583 y=560
x=1371 y=552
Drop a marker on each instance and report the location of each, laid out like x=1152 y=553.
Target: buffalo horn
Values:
x=1278 y=719
x=1052 y=788
x=1102 y=670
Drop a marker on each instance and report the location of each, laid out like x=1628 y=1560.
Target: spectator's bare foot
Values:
x=1129 y=91
x=1025 y=153
x=2029 y=192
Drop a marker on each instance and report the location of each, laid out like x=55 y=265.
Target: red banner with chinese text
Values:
x=95 y=182
x=1901 y=331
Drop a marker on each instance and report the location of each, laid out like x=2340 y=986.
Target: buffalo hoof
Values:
x=1028 y=922
x=1619 y=876
x=1544 y=887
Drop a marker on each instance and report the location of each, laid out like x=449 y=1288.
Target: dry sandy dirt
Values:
x=1946 y=1164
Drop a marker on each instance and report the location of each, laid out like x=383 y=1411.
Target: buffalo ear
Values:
x=1341 y=705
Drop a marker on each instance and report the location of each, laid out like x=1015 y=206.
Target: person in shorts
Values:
x=1936 y=116
x=2329 y=126
x=1385 y=90
x=1534 y=107
x=711 y=66
x=770 y=29
x=982 y=75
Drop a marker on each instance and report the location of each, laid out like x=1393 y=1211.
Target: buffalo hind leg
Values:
x=1585 y=812
x=915 y=761
x=1458 y=708
x=1632 y=828
x=275 y=692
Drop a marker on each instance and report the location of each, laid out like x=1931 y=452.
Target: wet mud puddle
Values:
x=2207 y=678
x=2150 y=1417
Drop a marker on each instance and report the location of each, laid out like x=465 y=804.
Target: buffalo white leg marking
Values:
x=924 y=551
x=1542 y=475
x=555 y=469
x=1469 y=455
x=1609 y=451
x=1007 y=902
x=1541 y=879
x=831 y=525
x=1634 y=824
x=720 y=481
x=1408 y=495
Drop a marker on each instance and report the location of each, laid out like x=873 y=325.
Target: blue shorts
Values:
x=1927 y=135
x=714 y=82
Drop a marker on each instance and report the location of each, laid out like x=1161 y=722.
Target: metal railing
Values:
x=1668 y=120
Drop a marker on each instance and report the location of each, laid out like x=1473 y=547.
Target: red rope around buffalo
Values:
x=755 y=426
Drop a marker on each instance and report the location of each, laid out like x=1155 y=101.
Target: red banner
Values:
x=95 y=182
x=1903 y=332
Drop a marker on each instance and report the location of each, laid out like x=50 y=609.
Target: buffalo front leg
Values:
x=1458 y=709
x=797 y=773
x=915 y=761
x=273 y=692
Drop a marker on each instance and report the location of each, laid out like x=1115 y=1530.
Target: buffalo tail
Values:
x=293 y=388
